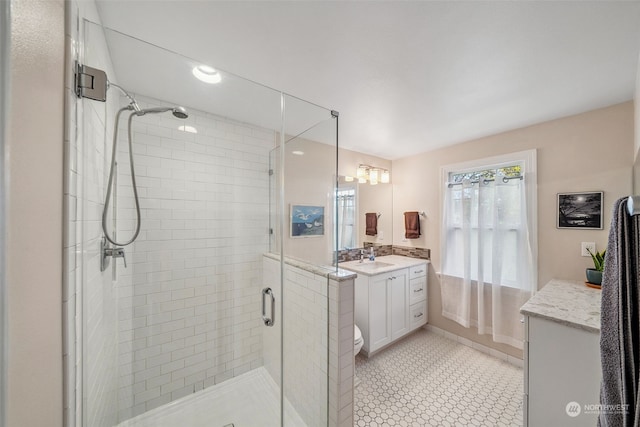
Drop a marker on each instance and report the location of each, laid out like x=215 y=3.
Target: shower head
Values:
x=179 y=112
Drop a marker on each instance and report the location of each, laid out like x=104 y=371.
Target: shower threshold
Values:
x=250 y=399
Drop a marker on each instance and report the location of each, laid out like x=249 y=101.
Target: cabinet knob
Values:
x=417 y=315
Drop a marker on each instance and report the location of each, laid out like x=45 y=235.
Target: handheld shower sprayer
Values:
x=177 y=111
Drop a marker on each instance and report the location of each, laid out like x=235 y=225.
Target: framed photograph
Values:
x=307 y=221
x=580 y=210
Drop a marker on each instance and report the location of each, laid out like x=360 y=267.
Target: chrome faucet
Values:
x=362 y=252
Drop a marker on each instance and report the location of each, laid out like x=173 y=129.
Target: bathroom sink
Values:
x=374 y=264
x=366 y=265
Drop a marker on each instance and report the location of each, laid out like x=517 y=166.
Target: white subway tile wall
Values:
x=305 y=357
x=190 y=297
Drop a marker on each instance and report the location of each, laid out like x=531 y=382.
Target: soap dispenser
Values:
x=372 y=256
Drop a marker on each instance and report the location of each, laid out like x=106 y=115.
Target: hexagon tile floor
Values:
x=429 y=380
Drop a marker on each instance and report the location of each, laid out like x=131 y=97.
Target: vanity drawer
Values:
x=418 y=314
x=417 y=290
x=418 y=271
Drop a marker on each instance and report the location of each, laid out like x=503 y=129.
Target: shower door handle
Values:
x=268 y=321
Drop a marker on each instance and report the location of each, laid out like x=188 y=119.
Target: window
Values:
x=346 y=218
x=488 y=221
x=488 y=243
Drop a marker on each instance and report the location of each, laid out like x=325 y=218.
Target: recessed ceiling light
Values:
x=207 y=74
x=297 y=153
x=190 y=129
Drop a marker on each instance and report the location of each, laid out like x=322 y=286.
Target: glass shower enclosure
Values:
x=212 y=322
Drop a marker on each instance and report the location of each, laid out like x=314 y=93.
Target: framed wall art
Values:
x=307 y=221
x=580 y=210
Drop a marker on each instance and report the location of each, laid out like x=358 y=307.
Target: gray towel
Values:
x=620 y=321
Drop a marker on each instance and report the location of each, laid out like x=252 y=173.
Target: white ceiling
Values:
x=409 y=77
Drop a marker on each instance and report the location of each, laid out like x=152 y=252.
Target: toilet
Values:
x=358 y=342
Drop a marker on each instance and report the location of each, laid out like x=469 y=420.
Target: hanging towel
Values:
x=620 y=320
x=411 y=225
x=372 y=224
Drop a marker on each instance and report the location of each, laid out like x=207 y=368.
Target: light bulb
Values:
x=373 y=176
x=384 y=178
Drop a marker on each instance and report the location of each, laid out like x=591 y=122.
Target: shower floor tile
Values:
x=249 y=400
x=429 y=380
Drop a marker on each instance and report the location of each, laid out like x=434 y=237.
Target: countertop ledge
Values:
x=397 y=262
x=568 y=302
x=326 y=271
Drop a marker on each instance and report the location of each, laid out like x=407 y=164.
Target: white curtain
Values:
x=488 y=271
x=346 y=219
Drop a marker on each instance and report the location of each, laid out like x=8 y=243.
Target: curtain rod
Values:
x=487 y=180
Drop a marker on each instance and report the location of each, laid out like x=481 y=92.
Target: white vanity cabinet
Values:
x=389 y=305
x=562 y=370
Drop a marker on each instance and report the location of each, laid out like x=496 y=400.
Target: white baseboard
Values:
x=482 y=348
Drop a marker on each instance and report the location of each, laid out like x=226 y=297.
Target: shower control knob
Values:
x=119 y=253
x=116 y=253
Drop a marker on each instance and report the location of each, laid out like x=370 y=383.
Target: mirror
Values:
x=355 y=200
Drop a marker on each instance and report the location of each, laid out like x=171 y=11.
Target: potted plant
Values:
x=594 y=275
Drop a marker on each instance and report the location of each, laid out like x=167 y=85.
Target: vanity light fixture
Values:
x=372 y=174
x=207 y=74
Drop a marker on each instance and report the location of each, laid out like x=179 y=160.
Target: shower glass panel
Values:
x=310 y=148
x=182 y=323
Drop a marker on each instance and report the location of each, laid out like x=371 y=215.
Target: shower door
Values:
x=178 y=336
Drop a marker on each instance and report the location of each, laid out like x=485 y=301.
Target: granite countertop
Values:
x=567 y=302
x=382 y=264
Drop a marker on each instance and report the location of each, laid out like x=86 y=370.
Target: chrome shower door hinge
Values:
x=91 y=83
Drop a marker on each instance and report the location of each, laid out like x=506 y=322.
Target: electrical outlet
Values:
x=591 y=246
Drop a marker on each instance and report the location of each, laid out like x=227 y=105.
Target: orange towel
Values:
x=411 y=225
x=372 y=224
